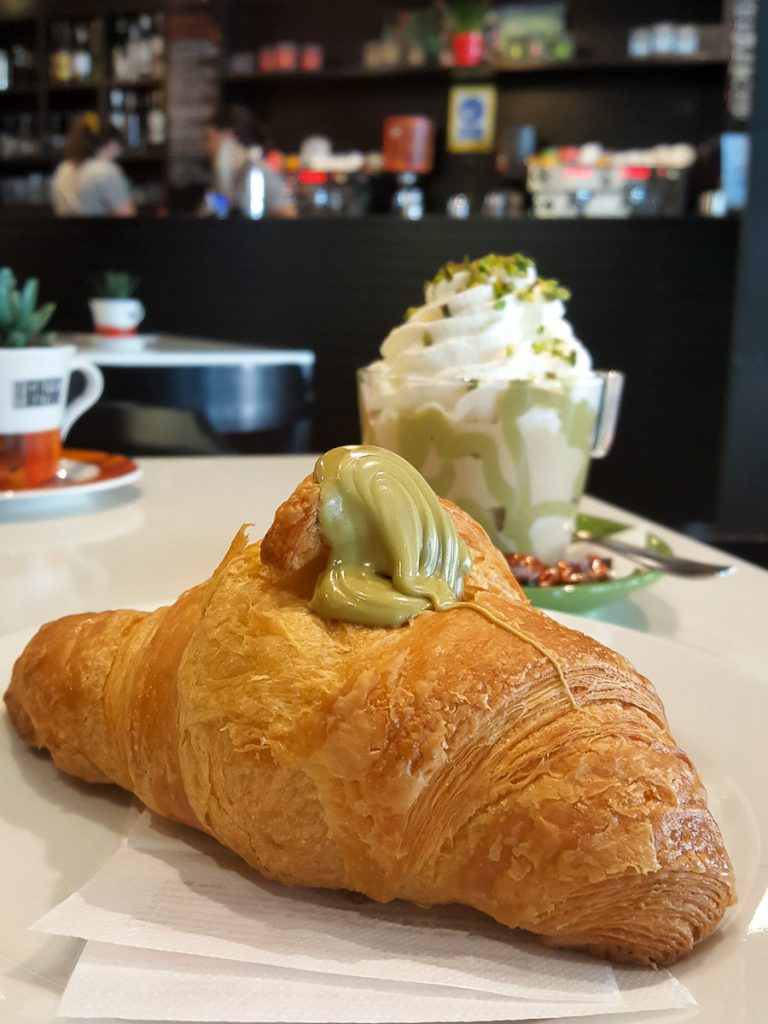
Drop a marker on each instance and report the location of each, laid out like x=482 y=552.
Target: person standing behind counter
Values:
x=88 y=182
x=234 y=139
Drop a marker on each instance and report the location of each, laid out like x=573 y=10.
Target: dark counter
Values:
x=651 y=298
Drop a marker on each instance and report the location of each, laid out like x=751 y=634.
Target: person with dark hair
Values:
x=235 y=140
x=88 y=181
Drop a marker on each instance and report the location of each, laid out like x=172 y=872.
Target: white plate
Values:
x=55 y=832
x=80 y=472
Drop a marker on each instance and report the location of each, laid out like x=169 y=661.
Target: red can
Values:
x=311 y=57
x=408 y=144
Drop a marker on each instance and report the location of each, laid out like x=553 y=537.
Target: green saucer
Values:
x=579 y=598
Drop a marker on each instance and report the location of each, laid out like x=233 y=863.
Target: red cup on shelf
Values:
x=467 y=49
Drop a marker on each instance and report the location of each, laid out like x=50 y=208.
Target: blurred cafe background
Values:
x=286 y=173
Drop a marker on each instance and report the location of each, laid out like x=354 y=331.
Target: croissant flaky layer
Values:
x=442 y=761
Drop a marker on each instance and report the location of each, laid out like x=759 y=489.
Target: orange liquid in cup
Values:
x=28 y=460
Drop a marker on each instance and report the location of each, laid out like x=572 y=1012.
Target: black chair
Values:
x=132 y=428
x=206 y=410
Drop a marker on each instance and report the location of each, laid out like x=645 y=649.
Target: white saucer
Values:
x=129 y=343
x=81 y=472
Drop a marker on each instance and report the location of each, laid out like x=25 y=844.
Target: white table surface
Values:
x=177 y=350
x=143 y=544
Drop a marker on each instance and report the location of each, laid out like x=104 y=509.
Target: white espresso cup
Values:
x=35 y=416
x=116 y=318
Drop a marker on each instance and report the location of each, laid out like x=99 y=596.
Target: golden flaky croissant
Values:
x=497 y=760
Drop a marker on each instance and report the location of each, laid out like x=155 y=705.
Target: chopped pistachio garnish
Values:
x=552 y=289
x=545 y=288
x=487 y=269
x=557 y=348
x=472 y=385
x=499 y=304
x=410 y=311
x=509 y=351
x=426 y=339
x=445 y=309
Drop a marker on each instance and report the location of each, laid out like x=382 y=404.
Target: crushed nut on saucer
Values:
x=532 y=572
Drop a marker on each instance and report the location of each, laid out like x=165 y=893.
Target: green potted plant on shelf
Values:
x=466 y=19
x=34 y=385
x=115 y=311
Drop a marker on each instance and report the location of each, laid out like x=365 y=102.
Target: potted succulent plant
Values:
x=21 y=322
x=466 y=19
x=116 y=313
x=34 y=385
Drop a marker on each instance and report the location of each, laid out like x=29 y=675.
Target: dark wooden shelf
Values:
x=20 y=90
x=338 y=74
x=92 y=85
x=608 y=63
x=29 y=160
x=618 y=62
x=134 y=83
x=156 y=155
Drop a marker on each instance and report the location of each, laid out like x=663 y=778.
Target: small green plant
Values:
x=21 y=322
x=115 y=284
x=467 y=15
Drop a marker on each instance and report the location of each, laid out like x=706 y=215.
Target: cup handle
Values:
x=613 y=386
x=94 y=385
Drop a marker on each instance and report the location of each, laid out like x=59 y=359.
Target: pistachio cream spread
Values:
x=481 y=383
x=394 y=549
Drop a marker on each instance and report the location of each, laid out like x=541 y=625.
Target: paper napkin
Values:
x=173 y=912
x=140 y=984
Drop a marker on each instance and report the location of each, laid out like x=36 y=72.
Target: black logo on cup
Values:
x=30 y=393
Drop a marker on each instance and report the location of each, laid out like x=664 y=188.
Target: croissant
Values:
x=498 y=760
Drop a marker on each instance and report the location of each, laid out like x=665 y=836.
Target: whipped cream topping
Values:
x=489 y=319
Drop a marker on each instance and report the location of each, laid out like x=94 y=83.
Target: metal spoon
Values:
x=649 y=559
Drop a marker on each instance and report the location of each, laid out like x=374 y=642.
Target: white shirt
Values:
x=94 y=188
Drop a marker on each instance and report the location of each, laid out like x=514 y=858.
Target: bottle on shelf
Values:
x=23 y=65
x=157 y=46
x=134 y=133
x=156 y=124
x=137 y=47
x=144 y=46
x=408 y=200
x=119 y=49
x=254 y=186
x=117 y=109
x=82 y=56
x=61 y=52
